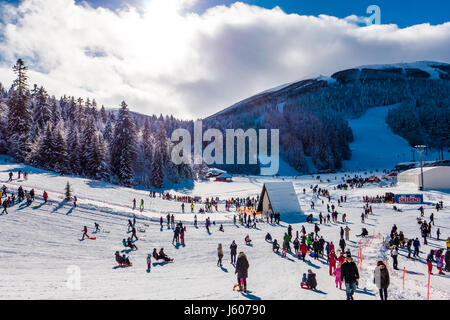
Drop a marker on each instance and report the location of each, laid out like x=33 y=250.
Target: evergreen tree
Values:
x=123 y=148
x=160 y=157
x=19 y=117
x=68 y=192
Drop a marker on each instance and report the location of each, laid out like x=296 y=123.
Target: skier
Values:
x=349 y=274
x=381 y=279
x=45 y=196
x=242 y=266
x=219 y=254
x=233 y=248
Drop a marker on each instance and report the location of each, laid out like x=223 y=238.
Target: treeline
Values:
x=73 y=136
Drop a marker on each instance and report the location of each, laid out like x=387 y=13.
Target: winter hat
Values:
x=348 y=255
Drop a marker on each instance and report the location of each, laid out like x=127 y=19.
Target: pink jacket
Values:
x=337 y=273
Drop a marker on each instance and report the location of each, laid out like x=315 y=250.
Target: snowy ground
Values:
x=39 y=244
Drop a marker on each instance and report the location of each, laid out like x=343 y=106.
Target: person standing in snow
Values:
x=416 y=244
x=349 y=274
x=45 y=196
x=219 y=254
x=161 y=222
x=337 y=274
x=347 y=233
x=242 y=266
x=430 y=260
x=332 y=261
x=149 y=262
x=134 y=203
x=303 y=250
x=342 y=244
x=381 y=279
x=75 y=201
x=5 y=205
x=195 y=220
x=97 y=227
x=142 y=205
x=233 y=251
x=394 y=255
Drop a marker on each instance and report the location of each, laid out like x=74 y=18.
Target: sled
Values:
x=236 y=286
x=304 y=286
x=92 y=238
x=312 y=255
x=123 y=265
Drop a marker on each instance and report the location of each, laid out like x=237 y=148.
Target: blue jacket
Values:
x=416 y=243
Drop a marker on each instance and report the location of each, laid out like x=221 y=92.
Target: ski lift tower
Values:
x=421 y=148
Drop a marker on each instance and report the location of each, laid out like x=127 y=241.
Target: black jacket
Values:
x=349 y=272
x=233 y=248
x=311 y=280
x=242 y=267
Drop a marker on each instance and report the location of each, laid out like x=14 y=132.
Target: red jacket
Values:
x=331 y=247
x=341 y=259
x=303 y=248
x=332 y=257
x=45 y=195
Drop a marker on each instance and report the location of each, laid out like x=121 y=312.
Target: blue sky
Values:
x=400 y=12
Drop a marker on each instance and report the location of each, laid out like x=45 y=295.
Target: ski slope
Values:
x=41 y=244
x=375 y=146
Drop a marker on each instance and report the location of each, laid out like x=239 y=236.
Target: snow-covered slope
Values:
x=375 y=146
x=41 y=244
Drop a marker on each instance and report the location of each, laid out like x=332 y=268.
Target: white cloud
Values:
x=163 y=59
